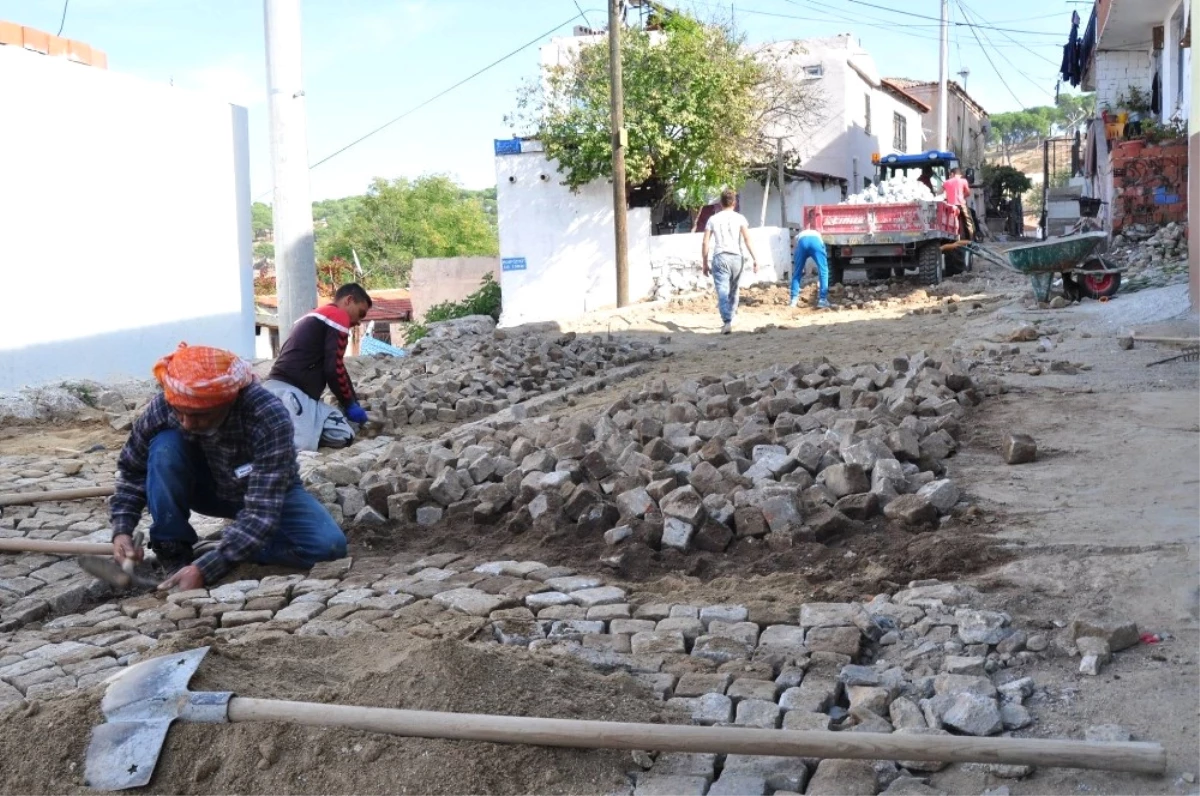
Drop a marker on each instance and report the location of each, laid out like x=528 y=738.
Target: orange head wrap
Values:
x=201 y=378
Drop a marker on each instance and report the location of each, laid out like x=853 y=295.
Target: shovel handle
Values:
x=1149 y=758
x=55 y=548
x=24 y=498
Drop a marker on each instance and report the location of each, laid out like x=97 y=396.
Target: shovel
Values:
x=143 y=700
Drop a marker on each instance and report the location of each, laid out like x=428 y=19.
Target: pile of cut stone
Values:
x=1152 y=257
x=467 y=368
x=790 y=454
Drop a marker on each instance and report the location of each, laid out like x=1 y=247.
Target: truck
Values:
x=887 y=238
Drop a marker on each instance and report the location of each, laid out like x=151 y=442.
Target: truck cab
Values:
x=935 y=163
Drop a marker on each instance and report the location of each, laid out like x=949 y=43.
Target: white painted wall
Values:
x=125 y=218
x=1117 y=70
x=837 y=143
x=801 y=193
x=674 y=261
x=566 y=239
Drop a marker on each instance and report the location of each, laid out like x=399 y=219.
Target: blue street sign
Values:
x=512 y=264
x=508 y=146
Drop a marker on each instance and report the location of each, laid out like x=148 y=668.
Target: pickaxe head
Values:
x=139 y=706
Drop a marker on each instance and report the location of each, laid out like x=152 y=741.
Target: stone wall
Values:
x=1150 y=183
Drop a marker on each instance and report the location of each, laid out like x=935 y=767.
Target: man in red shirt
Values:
x=310 y=360
x=957 y=190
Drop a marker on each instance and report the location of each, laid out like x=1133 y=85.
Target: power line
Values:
x=962 y=7
x=63 y=22
x=580 y=10
x=977 y=15
x=1004 y=82
x=440 y=94
x=938 y=19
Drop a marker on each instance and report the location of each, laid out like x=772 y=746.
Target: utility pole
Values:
x=620 y=139
x=1194 y=178
x=943 y=70
x=782 y=181
x=295 y=257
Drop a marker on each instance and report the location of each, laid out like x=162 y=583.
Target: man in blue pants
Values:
x=810 y=245
x=727 y=231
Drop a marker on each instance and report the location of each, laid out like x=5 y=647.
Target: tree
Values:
x=399 y=220
x=261 y=219
x=698 y=105
x=1074 y=110
x=1014 y=128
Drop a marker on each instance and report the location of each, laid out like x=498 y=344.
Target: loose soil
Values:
x=43 y=746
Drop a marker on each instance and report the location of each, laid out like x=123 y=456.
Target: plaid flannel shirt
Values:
x=258 y=432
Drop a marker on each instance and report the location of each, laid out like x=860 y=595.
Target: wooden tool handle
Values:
x=1148 y=758
x=55 y=548
x=25 y=498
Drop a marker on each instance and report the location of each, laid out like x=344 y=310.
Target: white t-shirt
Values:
x=726 y=228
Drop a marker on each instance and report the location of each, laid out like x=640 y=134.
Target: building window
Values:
x=867 y=126
x=899 y=133
x=814 y=71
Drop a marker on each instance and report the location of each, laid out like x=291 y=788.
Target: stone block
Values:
x=759 y=713
x=677 y=534
x=842 y=778
x=671 y=785
x=750 y=521
x=721 y=649
x=239 y=618
x=840 y=640
x=804 y=720
x=738 y=785
x=471 y=601
x=707 y=709
x=683 y=503
x=694 y=684
x=981 y=627
x=747 y=688
x=911 y=510
x=658 y=643
x=599 y=595
x=1019 y=449
x=813 y=695
x=826 y=615
x=1120 y=633
x=973 y=714
x=846 y=479
x=780 y=773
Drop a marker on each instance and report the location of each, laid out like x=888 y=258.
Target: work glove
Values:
x=356 y=414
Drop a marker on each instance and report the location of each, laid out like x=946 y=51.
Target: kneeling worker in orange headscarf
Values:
x=216 y=442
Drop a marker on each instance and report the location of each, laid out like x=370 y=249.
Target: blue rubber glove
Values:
x=356 y=414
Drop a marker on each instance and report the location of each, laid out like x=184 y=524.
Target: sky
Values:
x=367 y=62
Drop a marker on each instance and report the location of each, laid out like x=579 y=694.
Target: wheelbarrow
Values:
x=1072 y=256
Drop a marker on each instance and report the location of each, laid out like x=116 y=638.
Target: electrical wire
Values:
x=1019 y=101
x=581 y=13
x=63 y=22
x=938 y=19
x=1032 y=81
x=965 y=9
x=439 y=95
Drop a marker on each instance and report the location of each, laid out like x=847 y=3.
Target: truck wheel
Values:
x=929 y=261
x=837 y=271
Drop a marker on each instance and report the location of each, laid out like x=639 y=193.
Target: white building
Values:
x=125 y=218
x=1143 y=44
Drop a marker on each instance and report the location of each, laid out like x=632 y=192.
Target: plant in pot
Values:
x=1138 y=104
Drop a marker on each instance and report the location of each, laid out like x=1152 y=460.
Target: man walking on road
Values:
x=727 y=230
x=809 y=245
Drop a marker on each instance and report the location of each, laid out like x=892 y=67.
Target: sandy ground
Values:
x=1106 y=519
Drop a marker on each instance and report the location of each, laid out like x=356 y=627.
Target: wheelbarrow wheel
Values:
x=1098 y=286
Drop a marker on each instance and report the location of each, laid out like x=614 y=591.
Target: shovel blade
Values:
x=122 y=754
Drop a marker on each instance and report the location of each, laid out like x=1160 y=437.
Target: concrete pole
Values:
x=619 y=141
x=1194 y=178
x=781 y=176
x=295 y=256
x=943 y=70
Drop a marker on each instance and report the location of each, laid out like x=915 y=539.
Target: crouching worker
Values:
x=217 y=443
x=810 y=246
x=311 y=359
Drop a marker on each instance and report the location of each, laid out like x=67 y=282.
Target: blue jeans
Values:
x=726 y=271
x=807 y=247
x=178 y=481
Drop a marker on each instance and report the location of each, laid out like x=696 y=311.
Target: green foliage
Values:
x=261 y=219
x=1014 y=128
x=264 y=250
x=697 y=103
x=1004 y=182
x=399 y=220
x=484 y=301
